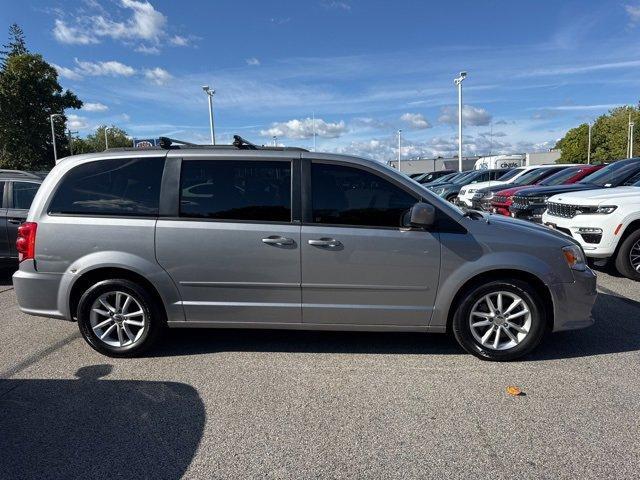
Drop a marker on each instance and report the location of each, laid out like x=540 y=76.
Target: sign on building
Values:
x=145 y=142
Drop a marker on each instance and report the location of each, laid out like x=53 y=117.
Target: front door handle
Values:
x=15 y=221
x=278 y=240
x=325 y=242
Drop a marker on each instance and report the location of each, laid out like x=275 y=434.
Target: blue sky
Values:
x=364 y=68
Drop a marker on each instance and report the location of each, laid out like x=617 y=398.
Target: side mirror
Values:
x=421 y=215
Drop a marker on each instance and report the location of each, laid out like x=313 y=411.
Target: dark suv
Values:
x=17 y=190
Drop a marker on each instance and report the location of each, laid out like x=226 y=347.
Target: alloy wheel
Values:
x=500 y=320
x=634 y=256
x=118 y=319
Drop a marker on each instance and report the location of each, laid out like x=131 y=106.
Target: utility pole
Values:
x=631 y=139
x=53 y=135
x=70 y=133
x=399 y=150
x=210 y=94
x=106 y=138
x=589 y=143
x=458 y=82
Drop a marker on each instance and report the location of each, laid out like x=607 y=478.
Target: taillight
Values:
x=26 y=242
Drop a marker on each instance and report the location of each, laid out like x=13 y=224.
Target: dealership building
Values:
x=424 y=165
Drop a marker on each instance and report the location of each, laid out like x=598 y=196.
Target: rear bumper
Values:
x=37 y=293
x=572 y=302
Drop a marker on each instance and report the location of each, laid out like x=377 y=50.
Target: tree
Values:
x=16 y=45
x=609 y=136
x=96 y=141
x=29 y=93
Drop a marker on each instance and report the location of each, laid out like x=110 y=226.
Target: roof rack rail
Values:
x=166 y=143
x=240 y=142
x=4 y=171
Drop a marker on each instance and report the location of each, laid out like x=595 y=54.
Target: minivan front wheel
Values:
x=500 y=320
x=119 y=318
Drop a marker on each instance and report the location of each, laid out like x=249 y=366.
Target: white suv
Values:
x=605 y=222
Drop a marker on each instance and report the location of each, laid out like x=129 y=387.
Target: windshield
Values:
x=613 y=174
x=560 y=177
x=466 y=177
x=532 y=176
x=510 y=174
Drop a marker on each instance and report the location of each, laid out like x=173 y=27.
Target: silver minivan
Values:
x=130 y=242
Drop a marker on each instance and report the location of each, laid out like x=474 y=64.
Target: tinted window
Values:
x=350 y=196
x=23 y=193
x=127 y=186
x=236 y=190
x=613 y=174
x=535 y=175
x=561 y=177
x=510 y=174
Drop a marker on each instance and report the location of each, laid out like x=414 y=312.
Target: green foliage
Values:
x=608 y=138
x=96 y=141
x=16 y=45
x=29 y=93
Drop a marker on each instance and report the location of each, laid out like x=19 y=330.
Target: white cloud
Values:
x=253 y=61
x=473 y=116
x=76 y=122
x=149 y=50
x=337 y=4
x=111 y=68
x=634 y=13
x=415 y=120
x=158 y=75
x=179 y=41
x=134 y=20
x=65 y=72
x=94 y=107
x=72 y=35
x=304 y=128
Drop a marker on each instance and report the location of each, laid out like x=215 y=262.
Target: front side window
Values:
x=236 y=190
x=23 y=193
x=120 y=187
x=349 y=196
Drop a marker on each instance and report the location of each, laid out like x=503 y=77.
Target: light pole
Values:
x=589 y=145
x=106 y=138
x=399 y=150
x=275 y=141
x=631 y=139
x=210 y=93
x=70 y=133
x=458 y=82
x=53 y=135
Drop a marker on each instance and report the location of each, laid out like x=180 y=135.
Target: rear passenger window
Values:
x=23 y=193
x=236 y=190
x=121 y=187
x=350 y=196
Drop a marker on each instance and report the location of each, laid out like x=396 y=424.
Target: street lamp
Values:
x=210 y=94
x=458 y=82
x=53 y=135
x=106 y=138
x=399 y=150
x=589 y=145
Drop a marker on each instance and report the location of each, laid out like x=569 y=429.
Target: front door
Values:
x=358 y=266
x=234 y=248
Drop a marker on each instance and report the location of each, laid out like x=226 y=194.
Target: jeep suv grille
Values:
x=561 y=210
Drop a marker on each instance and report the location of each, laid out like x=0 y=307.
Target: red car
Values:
x=502 y=200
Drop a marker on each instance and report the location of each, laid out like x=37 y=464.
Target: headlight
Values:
x=472 y=190
x=574 y=257
x=488 y=195
x=438 y=191
x=606 y=209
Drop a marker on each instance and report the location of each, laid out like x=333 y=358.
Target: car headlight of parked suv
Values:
x=574 y=256
x=602 y=210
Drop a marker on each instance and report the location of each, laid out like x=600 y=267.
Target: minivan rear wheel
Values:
x=119 y=318
x=501 y=320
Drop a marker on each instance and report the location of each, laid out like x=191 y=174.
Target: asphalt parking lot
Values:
x=277 y=404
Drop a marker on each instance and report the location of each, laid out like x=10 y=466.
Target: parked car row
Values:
x=597 y=205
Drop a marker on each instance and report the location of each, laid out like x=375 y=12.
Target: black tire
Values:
x=154 y=315
x=463 y=331
x=452 y=198
x=623 y=261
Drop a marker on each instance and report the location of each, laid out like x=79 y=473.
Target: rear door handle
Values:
x=278 y=240
x=325 y=242
x=15 y=221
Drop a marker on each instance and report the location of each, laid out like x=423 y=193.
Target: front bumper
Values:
x=604 y=248
x=573 y=302
x=500 y=209
x=533 y=214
